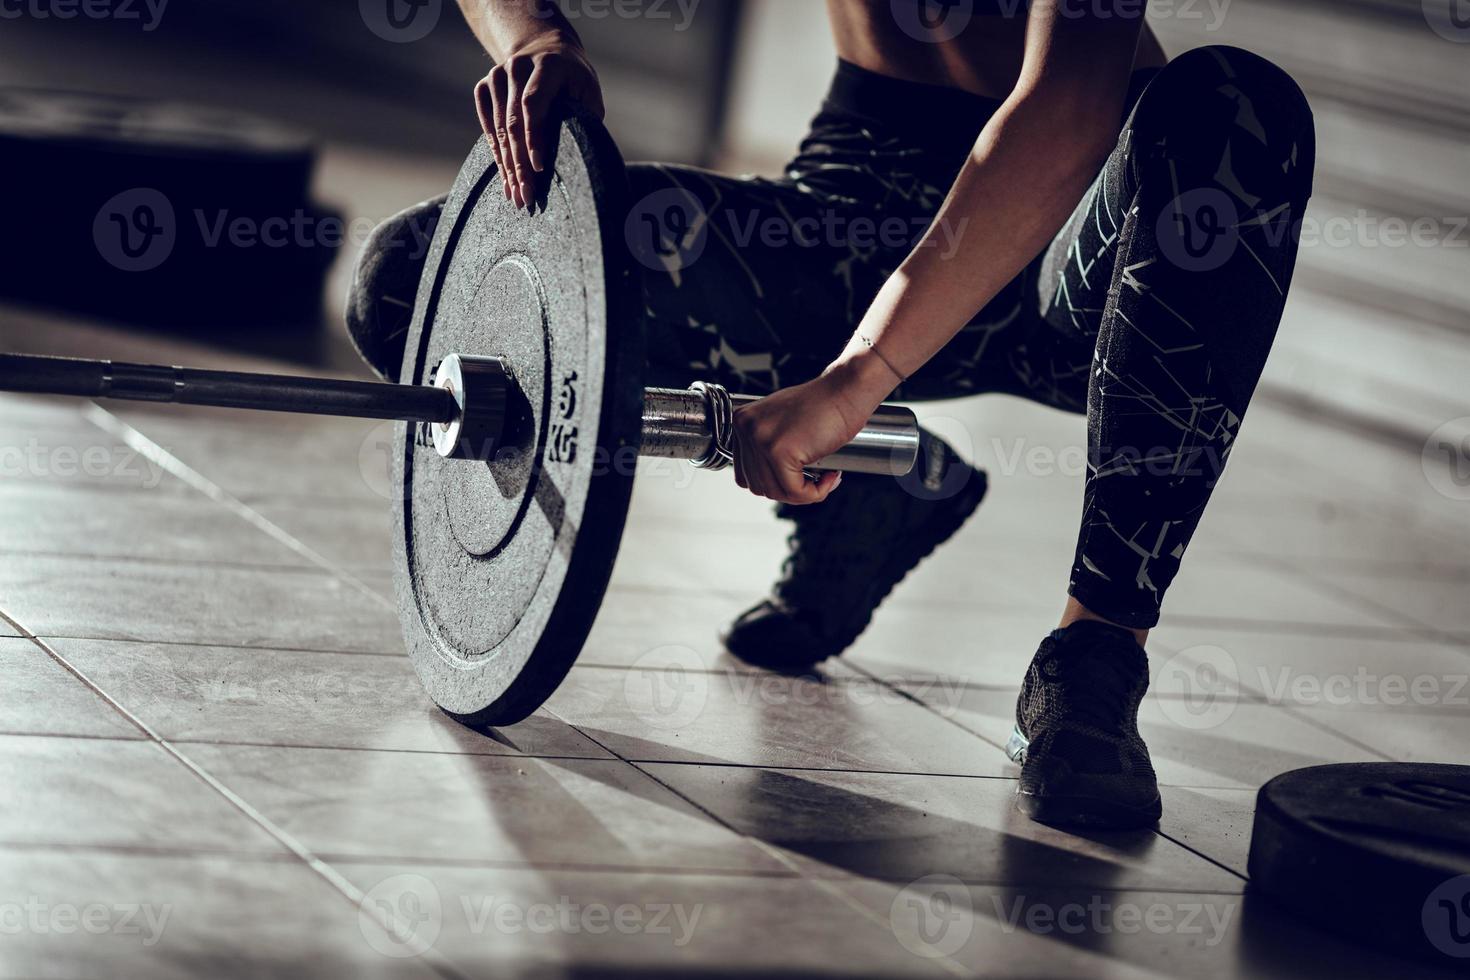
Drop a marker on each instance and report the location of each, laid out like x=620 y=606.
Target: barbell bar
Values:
x=471 y=408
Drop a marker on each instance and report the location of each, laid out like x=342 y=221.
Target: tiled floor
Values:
x=218 y=760
x=213 y=723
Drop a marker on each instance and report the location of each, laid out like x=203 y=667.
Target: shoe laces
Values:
x=1097 y=684
x=837 y=537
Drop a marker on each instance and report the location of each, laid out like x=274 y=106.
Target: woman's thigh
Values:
x=747 y=282
x=1181 y=250
x=758 y=284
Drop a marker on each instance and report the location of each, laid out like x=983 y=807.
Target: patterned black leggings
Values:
x=1152 y=311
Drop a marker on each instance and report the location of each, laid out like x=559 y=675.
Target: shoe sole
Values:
x=1078 y=811
x=909 y=561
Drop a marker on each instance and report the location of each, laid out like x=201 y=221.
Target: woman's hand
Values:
x=515 y=105
x=779 y=436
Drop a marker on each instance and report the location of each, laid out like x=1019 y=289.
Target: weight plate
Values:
x=502 y=564
x=1377 y=852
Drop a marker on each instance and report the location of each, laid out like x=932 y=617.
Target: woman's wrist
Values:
x=552 y=37
x=863 y=379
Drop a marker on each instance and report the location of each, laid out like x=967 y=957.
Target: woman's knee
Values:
x=1234 y=119
x=385 y=284
x=1260 y=87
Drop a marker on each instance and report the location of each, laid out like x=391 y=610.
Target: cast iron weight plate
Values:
x=1377 y=852
x=501 y=566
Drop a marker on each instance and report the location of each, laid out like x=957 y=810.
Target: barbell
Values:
x=473 y=410
x=524 y=407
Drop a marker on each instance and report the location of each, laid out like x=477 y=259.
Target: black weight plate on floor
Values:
x=1377 y=852
x=501 y=566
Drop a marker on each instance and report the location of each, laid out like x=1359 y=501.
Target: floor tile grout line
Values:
x=717 y=764
x=983 y=881
x=326 y=872
x=1302 y=714
x=830 y=885
x=1200 y=854
x=670 y=872
x=637 y=763
x=878 y=772
x=488 y=864
x=300 y=568
x=1323 y=586
x=1403 y=569
x=1402 y=634
x=245 y=744
x=903 y=683
x=760 y=844
x=252 y=857
x=388 y=750
x=101 y=487
x=218 y=645
x=927 y=707
x=772 y=851
x=1156 y=830
x=151 y=450
x=531 y=756
x=1391 y=500
x=952 y=682
x=577 y=867
x=75 y=736
x=823 y=885
x=897 y=684
x=1395 y=505
x=1250 y=695
x=735 y=873
x=1380 y=630
x=1308 y=719
x=154 y=560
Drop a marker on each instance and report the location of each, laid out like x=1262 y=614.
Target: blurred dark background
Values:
x=327 y=67
x=1377 y=330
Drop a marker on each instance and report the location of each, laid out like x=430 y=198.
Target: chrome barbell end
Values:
x=482 y=388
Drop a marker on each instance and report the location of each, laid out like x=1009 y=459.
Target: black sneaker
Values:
x=1083 y=762
x=386 y=284
x=847 y=554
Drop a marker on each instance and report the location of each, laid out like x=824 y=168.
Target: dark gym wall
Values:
x=320 y=66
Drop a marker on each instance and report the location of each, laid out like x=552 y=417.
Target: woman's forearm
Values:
x=1030 y=167
x=506 y=26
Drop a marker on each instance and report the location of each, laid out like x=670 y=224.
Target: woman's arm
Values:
x=539 y=58
x=1030 y=166
x=503 y=26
